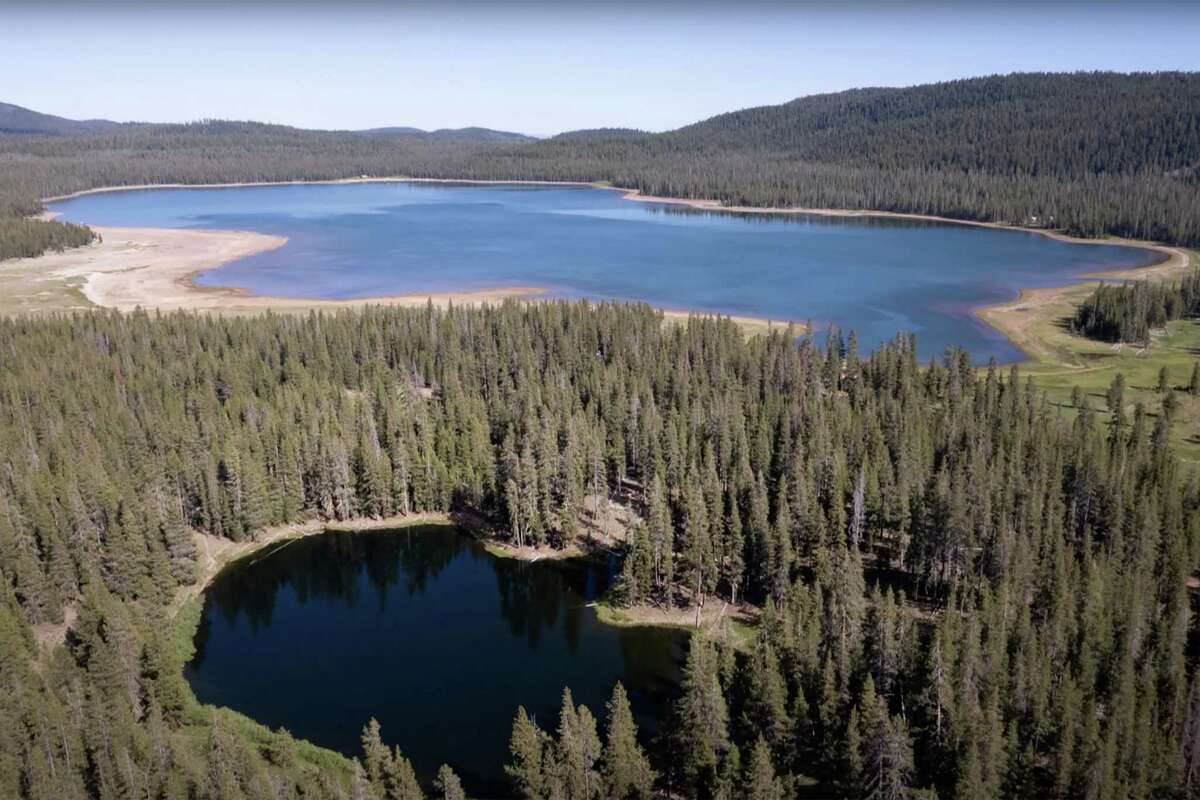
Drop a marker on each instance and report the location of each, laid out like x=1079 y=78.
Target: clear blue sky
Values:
x=541 y=67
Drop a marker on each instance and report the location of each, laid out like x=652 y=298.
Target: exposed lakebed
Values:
x=425 y=630
x=874 y=275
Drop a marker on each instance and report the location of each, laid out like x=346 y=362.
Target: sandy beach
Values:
x=155 y=268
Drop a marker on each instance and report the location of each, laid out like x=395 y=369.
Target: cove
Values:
x=874 y=275
x=425 y=630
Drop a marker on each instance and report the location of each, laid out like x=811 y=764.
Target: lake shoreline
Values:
x=126 y=284
x=155 y=269
x=1016 y=318
x=216 y=553
x=636 y=195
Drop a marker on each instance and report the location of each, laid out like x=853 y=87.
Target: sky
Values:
x=541 y=67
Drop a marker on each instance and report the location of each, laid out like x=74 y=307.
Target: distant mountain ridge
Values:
x=602 y=135
x=470 y=134
x=18 y=120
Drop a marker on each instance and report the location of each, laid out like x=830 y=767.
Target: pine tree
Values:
x=697 y=556
x=400 y=780
x=626 y=770
x=1116 y=396
x=448 y=784
x=526 y=747
x=851 y=775
x=703 y=718
x=888 y=763
x=761 y=782
x=845 y=609
x=577 y=751
x=766 y=708
x=376 y=756
x=662 y=538
x=733 y=559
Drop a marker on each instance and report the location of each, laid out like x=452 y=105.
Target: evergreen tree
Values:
x=761 y=782
x=626 y=770
x=577 y=752
x=448 y=784
x=703 y=718
x=526 y=746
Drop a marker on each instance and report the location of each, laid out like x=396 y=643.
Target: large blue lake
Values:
x=875 y=276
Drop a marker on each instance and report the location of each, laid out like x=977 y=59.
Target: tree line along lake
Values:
x=876 y=276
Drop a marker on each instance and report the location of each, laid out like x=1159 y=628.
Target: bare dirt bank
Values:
x=604 y=528
x=216 y=552
x=155 y=268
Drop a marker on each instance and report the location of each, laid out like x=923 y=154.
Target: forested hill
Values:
x=1092 y=153
x=1043 y=650
x=1066 y=126
x=18 y=120
x=471 y=134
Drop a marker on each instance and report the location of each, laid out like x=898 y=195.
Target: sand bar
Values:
x=155 y=269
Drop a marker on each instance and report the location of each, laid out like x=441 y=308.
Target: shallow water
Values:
x=877 y=276
x=424 y=630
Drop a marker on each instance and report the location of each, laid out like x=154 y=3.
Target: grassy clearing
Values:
x=738 y=626
x=25 y=290
x=750 y=326
x=1059 y=360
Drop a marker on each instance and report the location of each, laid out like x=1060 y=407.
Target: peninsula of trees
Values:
x=1129 y=312
x=1043 y=649
x=1091 y=153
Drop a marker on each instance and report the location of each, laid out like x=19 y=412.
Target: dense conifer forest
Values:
x=1091 y=153
x=1129 y=312
x=1037 y=643
x=25 y=238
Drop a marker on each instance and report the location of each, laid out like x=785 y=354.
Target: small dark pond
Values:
x=426 y=631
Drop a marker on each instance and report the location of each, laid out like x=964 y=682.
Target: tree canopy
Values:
x=961 y=589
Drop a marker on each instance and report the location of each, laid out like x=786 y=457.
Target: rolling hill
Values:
x=18 y=120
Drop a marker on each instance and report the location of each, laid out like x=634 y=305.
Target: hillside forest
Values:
x=1043 y=646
